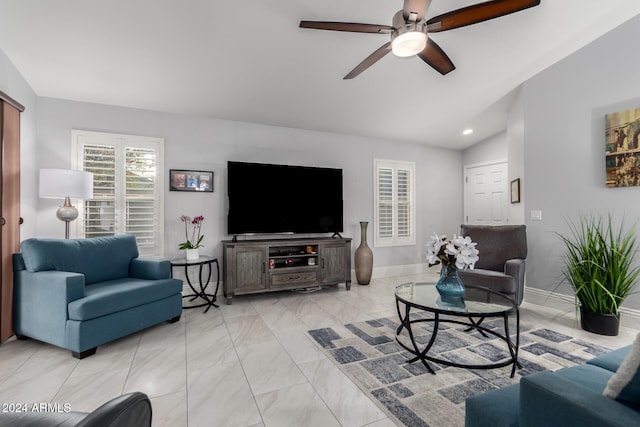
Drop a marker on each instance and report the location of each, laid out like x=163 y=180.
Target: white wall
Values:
x=564 y=108
x=14 y=85
x=505 y=145
x=487 y=151
x=207 y=144
x=516 y=153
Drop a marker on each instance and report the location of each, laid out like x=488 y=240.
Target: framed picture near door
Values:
x=515 y=191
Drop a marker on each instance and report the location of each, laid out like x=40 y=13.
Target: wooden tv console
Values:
x=256 y=266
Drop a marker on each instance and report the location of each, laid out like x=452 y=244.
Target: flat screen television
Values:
x=274 y=199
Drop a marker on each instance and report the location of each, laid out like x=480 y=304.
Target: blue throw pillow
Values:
x=624 y=385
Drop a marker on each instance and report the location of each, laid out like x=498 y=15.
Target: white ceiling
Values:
x=248 y=61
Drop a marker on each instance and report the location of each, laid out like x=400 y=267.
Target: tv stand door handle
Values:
x=322 y=262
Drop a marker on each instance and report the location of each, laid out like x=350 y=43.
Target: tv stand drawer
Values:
x=288 y=278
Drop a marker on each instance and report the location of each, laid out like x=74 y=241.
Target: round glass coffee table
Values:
x=470 y=310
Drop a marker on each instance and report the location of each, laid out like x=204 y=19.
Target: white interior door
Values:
x=486 y=194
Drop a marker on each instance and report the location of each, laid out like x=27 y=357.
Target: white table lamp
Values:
x=66 y=184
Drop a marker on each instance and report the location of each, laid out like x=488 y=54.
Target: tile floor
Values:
x=246 y=364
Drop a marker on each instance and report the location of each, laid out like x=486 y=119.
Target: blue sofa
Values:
x=568 y=397
x=81 y=293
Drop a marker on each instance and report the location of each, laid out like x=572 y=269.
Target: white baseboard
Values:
x=395 y=270
x=630 y=317
x=378 y=273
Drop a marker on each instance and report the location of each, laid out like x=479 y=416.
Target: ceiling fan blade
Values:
x=417 y=7
x=347 y=26
x=369 y=61
x=477 y=13
x=433 y=55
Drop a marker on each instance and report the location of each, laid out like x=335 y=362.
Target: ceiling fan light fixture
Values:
x=408 y=37
x=409 y=43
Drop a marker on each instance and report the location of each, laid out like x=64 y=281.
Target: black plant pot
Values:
x=599 y=323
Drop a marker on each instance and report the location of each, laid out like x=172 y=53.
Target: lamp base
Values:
x=67 y=213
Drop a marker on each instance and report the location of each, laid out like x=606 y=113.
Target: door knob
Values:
x=3 y=222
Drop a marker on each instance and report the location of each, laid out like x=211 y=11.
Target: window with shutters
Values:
x=128 y=186
x=394 y=210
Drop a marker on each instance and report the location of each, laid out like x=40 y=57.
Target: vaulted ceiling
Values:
x=249 y=61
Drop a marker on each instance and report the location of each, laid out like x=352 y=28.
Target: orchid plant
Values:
x=459 y=253
x=196 y=238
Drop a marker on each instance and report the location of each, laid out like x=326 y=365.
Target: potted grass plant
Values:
x=599 y=267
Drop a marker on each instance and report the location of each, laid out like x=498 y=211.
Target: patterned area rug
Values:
x=368 y=353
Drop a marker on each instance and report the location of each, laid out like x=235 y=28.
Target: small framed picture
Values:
x=187 y=180
x=515 y=191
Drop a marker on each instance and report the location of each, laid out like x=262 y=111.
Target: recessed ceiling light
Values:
x=467 y=131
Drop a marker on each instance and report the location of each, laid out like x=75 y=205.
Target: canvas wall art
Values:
x=623 y=148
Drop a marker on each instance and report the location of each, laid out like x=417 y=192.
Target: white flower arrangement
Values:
x=459 y=253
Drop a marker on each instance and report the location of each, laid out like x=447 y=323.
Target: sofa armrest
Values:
x=547 y=399
x=150 y=269
x=515 y=268
x=49 y=287
x=41 y=302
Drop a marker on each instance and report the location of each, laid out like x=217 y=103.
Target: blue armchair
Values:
x=81 y=293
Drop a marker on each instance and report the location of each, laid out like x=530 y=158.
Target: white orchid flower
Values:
x=461 y=250
x=433 y=248
x=468 y=253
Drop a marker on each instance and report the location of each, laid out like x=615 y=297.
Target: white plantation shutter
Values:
x=385 y=202
x=128 y=188
x=140 y=195
x=404 y=202
x=394 y=203
x=99 y=213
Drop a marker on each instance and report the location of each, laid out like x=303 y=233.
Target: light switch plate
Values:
x=536 y=215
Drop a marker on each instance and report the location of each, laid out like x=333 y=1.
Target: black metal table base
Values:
x=210 y=299
x=406 y=322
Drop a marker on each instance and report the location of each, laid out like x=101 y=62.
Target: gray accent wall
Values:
x=564 y=110
x=207 y=144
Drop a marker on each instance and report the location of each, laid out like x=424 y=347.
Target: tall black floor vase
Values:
x=363 y=258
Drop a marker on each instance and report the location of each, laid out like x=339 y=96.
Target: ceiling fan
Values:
x=410 y=27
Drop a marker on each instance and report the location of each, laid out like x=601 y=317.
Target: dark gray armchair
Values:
x=128 y=410
x=502 y=251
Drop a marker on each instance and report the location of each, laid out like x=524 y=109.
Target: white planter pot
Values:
x=193 y=254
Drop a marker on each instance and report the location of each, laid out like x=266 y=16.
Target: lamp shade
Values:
x=61 y=183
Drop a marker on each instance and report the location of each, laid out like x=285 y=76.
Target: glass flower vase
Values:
x=449 y=284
